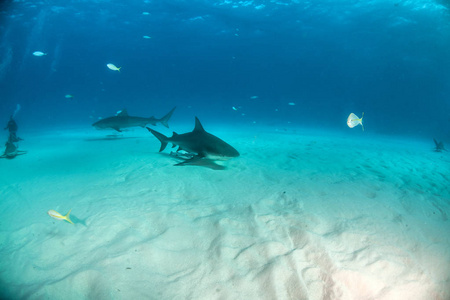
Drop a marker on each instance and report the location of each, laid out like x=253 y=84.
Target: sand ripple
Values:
x=295 y=217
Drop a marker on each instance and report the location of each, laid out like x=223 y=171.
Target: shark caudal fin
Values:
x=436 y=143
x=165 y=120
x=67 y=217
x=161 y=137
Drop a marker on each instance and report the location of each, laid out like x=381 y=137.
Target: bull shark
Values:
x=199 y=144
x=123 y=120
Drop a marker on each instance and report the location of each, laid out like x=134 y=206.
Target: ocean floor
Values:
x=299 y=215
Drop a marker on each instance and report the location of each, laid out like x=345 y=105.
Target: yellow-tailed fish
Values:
x=353 y=121
x=113 y=67
x=56 y=215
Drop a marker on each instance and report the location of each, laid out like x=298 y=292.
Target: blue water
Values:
x=390 y=59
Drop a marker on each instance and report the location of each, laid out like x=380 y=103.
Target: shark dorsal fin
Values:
x=122 y=113
x=198 y=125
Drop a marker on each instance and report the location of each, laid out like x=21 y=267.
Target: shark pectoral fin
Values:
x=117 y=128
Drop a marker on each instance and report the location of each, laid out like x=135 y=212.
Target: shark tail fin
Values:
x=165 y=120
x=67 y=217
x=161 y=137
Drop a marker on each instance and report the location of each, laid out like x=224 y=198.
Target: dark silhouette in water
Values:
x=13 y=138
x=12 y=125
x=11 y=150
x=439 y=146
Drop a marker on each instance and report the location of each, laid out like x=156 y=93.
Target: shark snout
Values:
x=99 y=125
x=234 y=153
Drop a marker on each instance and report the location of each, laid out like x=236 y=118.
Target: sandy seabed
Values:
x=299 y=215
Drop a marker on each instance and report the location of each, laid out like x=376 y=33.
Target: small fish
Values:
x=113 y=67
x=68 y=96
x=291 y=103
x=56 y=215
x=353 y=121
x=39 y=53
x=146 y=37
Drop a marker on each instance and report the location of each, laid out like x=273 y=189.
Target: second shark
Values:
x=123 y=120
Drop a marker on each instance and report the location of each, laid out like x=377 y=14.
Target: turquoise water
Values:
x=311 y=209
x=299 y=214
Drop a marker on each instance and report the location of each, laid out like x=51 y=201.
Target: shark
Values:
x=123 y=120
x=13 y=138
x=439 y=146
x=199 y=145
x=11 y=151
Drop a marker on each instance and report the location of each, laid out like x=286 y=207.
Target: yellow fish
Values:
x=353 y=121
x=113 y=67
x=56 y=215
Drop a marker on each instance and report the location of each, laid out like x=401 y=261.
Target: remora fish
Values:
x=123 y=120
x=198 y=142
